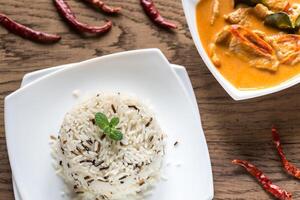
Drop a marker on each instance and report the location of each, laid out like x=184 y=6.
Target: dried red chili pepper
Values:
x=102 y=6
x=289 y=167
x=64 y=10
x=27 y=32
x=265 y=182
x=154 y=15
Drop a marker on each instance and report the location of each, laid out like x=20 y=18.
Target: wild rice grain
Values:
x=90 y=142
x=113 y=108
x=73 y=152
x=123 y=177
x=85 y=147
x=52 y=137
x=104 y=168
x=141 y=182
x=79 y=150
x=134 y=107
x=148 y=124
x=151 y=138
x=176 y=143
x=93 y=121
x=103 y=136
x=90 y=181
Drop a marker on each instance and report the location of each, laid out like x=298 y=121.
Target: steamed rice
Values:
x=98 y=168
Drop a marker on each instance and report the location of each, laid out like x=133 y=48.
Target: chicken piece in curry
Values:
x=253 y=43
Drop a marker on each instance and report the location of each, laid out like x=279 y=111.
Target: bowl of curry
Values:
x=252 y=47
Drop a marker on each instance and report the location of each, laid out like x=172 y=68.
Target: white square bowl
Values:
x=36 y=110
x=189 y=7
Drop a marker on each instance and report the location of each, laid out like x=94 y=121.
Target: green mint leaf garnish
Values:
x=108 y=127
x=116 y=135
x=101 y=120
x=114 y=122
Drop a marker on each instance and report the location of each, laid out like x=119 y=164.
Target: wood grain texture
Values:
x=233 y=129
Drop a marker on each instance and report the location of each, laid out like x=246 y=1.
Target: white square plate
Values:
x=28 y=78
x=190 y=14
x=35 y=111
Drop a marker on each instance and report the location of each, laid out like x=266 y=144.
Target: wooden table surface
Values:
x=233 y=129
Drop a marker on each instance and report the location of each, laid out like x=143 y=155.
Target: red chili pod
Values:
x=264 y=181
x=103 y=7
x=289 y=167
x=155 y=16
x=64 y=10
x=26 y=32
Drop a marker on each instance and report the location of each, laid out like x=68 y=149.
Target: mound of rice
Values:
x=96 y=167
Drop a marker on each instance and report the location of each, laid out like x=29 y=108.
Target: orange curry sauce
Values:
x=238 y=71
